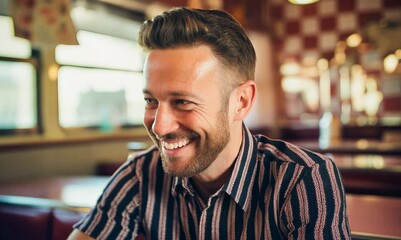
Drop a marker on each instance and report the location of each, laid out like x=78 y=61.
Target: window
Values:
x=18 y=83
x=100 y=83
x=18 y=107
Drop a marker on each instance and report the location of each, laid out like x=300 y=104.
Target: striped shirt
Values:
x=276 y=191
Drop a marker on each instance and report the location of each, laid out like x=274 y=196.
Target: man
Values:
x=208 y=177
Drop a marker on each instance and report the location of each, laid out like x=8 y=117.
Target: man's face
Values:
x=184 y=114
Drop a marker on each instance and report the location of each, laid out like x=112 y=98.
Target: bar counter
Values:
x=360 y=146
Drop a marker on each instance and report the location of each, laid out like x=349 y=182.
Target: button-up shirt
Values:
x=276 y=191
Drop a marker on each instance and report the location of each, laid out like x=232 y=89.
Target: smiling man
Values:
x=208 y=177
x=185 y=115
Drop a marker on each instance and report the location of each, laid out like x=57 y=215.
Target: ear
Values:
x=245 y=98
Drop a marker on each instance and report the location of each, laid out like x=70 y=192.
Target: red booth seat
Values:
x=24 y=223
x=36 y=223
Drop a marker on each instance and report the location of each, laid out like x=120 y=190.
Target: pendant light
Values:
x=302 y=2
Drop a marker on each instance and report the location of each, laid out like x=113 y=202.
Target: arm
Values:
x=117 y=209
x=78 y=235
x=317 y=207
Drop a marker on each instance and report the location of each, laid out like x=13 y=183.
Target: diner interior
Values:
x=328 y=75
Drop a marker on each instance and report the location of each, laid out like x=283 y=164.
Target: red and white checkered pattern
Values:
x=312 y=31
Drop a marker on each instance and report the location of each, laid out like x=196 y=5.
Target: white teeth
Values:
x=175 y=145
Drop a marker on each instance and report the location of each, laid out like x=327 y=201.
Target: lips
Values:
x=176 y=144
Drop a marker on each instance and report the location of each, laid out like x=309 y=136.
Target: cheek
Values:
x=201 y=121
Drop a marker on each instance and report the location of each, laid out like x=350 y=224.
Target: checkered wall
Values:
x=312 y=31
x=315 y=29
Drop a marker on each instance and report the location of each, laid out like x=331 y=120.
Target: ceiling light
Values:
x=302 y=2
x=354 y=40
x=390 y=63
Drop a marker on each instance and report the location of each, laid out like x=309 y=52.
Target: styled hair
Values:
x=185 y=27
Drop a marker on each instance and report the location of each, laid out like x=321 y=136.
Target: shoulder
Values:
x=295 y=170
x=144 y=155
x=283 y=152
x=142 y=160
x=132 y=171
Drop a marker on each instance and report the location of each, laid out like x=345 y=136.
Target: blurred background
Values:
x=328 y=75
x=71 y=76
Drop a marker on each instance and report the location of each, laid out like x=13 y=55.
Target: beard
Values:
x=206 y=150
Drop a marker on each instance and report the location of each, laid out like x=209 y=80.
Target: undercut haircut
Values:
x=185 y=27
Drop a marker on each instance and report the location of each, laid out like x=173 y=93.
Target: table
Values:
x=374 y=214
x=76 y=192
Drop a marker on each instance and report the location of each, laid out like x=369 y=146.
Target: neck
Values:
x=218 y=173
x=206 y=187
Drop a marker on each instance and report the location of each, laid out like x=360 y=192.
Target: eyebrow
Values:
x=175 y=94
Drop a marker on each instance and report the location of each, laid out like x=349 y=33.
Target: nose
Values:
x=164 y=121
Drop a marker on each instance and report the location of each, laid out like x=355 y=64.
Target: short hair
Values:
x=185 y=27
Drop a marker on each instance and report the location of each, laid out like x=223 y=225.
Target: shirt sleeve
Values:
x=316 y=207
x=117 y=211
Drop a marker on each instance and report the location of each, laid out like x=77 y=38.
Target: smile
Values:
x=175 y=145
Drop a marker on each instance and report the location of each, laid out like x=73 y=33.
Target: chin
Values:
x=177 y=170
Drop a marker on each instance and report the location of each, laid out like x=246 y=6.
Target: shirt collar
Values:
x=181 y=184
x=239 y=186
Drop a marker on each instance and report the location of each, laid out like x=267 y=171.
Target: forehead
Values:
x=181 y=68
x=181 y=59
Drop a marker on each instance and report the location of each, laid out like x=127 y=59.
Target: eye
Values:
x=151 y=103
x=183 y=104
